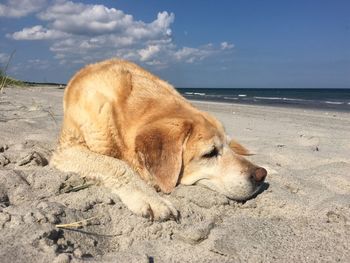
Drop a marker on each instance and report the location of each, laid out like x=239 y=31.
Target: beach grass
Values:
x=5 y=79
x=77 y=224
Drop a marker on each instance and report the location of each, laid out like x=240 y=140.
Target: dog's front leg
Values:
x=116 y=175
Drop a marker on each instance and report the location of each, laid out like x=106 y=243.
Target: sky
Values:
x=208 y=44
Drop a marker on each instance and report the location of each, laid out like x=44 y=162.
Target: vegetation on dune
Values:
x=5 y=80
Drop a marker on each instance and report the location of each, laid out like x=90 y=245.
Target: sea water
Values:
x=332 y=99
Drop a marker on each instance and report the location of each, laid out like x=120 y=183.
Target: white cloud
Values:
x=191 y=54
x=37 y=33
x=149 y=52
x=82 y=19
x=20 y=8
x=93 y=20
x=84 y=33
x=226 y=45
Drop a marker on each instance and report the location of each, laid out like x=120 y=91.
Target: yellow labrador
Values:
x=136 y=134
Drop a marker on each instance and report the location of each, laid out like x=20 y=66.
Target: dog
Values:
x=136 y=135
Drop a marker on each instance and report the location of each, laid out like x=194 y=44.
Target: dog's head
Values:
x=196 y=150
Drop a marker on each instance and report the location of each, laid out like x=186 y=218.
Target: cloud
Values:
x=191 y=55
x=83 y=33
x=226 y=45
x=37 y=33
x=20 y=8
x=82 y=19
x=95 y=20
x=149 y=52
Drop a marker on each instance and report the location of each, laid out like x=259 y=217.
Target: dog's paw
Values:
x=149 y=205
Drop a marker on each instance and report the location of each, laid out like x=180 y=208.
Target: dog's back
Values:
x=115 y=96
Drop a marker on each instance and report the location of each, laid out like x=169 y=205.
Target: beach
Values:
x=301 y=215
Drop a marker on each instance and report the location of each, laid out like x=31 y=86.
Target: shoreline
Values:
x=326 y=107
x=223 y=103
x=329 y=99
x=234 y=108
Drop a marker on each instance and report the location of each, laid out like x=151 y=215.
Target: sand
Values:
x=303 y=214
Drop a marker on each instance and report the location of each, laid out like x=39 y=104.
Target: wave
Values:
x=213 y=96
x=279 y=98
x=291 y=99
x=311 y=98
x=268 y=98
x=334 y=102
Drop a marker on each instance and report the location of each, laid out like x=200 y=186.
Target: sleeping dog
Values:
x=136 y=135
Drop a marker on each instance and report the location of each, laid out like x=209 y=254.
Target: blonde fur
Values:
x=136 y=134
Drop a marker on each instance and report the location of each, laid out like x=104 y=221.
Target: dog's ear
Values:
x=159 y=148
x=239 y=149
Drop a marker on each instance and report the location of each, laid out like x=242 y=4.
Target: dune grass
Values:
x=6 y=80
x=77 y=224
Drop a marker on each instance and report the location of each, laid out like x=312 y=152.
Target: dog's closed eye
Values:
x=213 y=153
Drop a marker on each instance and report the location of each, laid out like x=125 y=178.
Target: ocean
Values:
x=329 y=99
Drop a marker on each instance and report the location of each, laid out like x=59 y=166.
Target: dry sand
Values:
x=303 y=215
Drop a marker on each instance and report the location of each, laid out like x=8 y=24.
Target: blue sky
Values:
x=233 y=44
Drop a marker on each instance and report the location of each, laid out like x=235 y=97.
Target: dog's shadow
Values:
x=262 y=189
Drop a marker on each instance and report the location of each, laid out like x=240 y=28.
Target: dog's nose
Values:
x=260 y=174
